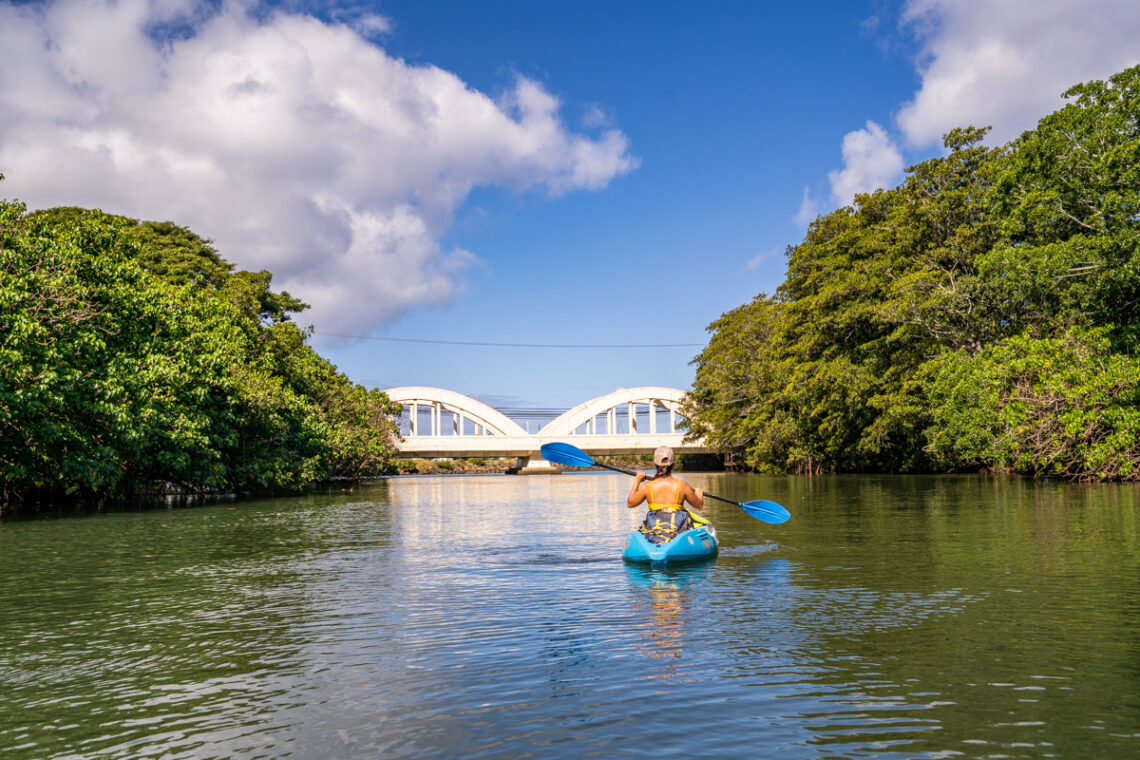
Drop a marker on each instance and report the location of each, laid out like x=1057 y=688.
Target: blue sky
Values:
x=587 y=173
x=731 y=113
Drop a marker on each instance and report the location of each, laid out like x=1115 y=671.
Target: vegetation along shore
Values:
x=983 y=314
x=131 y=354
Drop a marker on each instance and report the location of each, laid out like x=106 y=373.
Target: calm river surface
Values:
x=493 y=617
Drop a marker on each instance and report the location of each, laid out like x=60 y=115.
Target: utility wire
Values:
x=513 y=345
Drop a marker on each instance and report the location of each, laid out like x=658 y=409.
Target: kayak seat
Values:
x=662 y=525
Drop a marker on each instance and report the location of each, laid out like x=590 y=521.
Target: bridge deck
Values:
x=462 y=446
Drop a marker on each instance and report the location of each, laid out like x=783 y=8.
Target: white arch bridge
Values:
x=443 y=423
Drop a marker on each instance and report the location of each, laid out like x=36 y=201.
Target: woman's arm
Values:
x=695 y=496
x=636 y=492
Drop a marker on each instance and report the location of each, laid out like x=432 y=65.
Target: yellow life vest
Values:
x=654 y=505
x=664 y=521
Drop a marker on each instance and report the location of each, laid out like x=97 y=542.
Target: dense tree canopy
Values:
x=131 y=354
x=982 y=314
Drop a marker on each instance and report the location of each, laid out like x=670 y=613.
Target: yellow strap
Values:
x=654 y=505
x=660 y=529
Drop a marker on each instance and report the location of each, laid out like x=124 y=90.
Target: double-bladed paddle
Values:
x=564 y=453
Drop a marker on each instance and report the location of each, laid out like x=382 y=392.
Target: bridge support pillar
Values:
x=534 y=465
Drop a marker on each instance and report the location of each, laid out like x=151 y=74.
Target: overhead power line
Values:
x=512 y=345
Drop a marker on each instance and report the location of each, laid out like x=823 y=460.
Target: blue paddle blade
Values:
x=768 y=511
x=564 y=453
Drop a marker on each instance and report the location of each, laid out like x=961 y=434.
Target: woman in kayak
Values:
x=666 y=496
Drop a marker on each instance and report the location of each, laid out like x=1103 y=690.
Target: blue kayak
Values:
x=696 y=543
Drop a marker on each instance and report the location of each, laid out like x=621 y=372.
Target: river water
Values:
x=492 y=616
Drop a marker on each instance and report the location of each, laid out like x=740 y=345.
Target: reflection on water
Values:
x=493 y=617
x=660 y=595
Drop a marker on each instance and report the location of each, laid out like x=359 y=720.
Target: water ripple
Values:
x=394 y=623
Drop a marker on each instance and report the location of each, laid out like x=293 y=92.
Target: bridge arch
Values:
x=586 y=415
x=486 y=419
x=595 y=426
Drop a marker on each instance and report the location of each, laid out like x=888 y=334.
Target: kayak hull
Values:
x=696 y=544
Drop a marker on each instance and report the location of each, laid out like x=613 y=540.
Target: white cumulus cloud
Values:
x=870 y=161
x=988 y=63
x=809 y=209
x=298 y=146
x=1004 y=64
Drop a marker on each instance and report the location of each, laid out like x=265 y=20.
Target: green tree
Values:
x=873 y=291
x=737 y=402
x=103 y=377
x=892 y=341
x=1065 y=406
x=1069 y=201
x=117 y=371
x=178 y=255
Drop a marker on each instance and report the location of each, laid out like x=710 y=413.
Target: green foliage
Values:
x=886 y=346
x=173 y=253
x=736 y=401
x=118 y=371
x=821 y=375
x=1069 y=203
x=1066 y=406
x=178 y=255
x=353 y=414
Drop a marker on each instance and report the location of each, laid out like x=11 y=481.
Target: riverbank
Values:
x=473 y=466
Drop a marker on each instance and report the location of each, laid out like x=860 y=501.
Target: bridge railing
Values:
x=427 y=419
